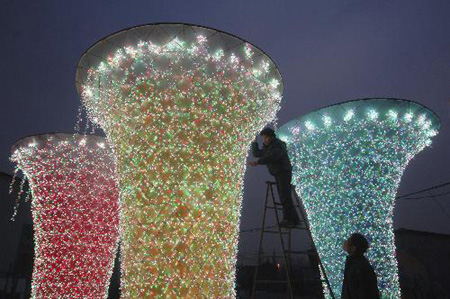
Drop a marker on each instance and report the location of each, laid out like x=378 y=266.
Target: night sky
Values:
x=327 y=52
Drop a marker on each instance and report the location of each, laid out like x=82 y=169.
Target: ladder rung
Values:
x=280 y=204
x=309 y=268
x=297 y=251
x=294 y=227
x=271 y=281
x=275 y=232
x=271 y=255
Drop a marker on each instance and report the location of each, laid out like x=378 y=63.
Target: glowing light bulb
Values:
x=408 y=117
x=393 y=114
x=373 y=114
x=309 y=125
x=349 y=115
x=327 y=121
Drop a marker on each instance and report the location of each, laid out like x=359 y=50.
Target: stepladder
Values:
x=289 y=282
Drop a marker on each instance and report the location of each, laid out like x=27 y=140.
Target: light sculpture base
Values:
x=75 y=211
x=180 y=105
x=348 y=161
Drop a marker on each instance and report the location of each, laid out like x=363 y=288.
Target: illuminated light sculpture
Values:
x=180 y=105
x=348 y=160
x=75 y=210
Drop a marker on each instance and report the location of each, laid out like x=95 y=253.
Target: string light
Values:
x=348 y=173
x=75 y=211
x=180 y=110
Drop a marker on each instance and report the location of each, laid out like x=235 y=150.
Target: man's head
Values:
x=356 y=244
x=267 y=135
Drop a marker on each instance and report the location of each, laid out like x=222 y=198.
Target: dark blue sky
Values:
x=327 y=52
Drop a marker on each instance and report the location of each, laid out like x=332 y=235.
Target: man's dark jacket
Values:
x=360 y=281
x=274 y=156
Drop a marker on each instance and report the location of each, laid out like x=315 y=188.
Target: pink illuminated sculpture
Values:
x=75 y=211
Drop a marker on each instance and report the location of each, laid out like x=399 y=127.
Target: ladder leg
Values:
x=263 y=227
x=286 y=262
x=289 y=252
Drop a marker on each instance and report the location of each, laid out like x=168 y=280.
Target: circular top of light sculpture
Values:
x=40 y=141
x=396 y=111
x=171 y=37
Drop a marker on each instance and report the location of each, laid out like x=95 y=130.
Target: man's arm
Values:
x=255 y=150
x=276 y=152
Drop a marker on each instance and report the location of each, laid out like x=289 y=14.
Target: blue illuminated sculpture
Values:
x=348 y=162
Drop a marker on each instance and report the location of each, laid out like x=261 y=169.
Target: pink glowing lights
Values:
x=75 y=213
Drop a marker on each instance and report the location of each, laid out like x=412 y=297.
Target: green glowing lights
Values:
x=348 y=160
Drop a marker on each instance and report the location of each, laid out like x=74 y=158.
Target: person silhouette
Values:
x=274 y=155
x=360 y=280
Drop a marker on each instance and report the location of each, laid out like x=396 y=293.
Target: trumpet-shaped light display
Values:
x=180 y=105
x=75 y=211
x=348 y=160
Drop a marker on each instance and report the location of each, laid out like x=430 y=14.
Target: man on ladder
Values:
x=274 y=155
